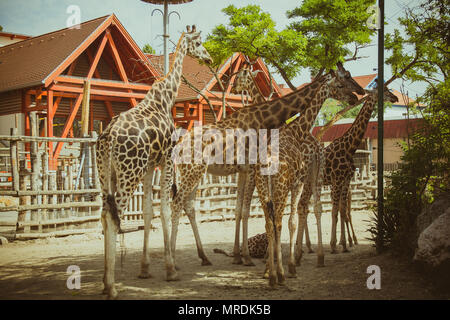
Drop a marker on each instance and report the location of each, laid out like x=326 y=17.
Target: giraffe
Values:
x=245 y=82
x=300 y=162
x=268 y=115
x=133 y=144
x=339 y=170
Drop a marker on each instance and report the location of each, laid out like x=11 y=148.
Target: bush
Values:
x=423 y=176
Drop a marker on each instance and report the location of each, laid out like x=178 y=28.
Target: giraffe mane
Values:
x=173 y=62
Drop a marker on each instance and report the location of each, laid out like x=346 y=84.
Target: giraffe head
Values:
x=388 y=96
x=195 y=47
x=342 y=85
x=244 y=79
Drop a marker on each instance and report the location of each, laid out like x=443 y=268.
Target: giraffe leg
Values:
x=343 y=212
x=247 y=199
x=349 y=216
x=307 y=239
x=270 y=267
x=166 y=182
x=295 y=192
x=334 y=216
x=190 y=210
x=238 y=216
x=148 y=216
x=110 y=234
x=302 y=212
x=280 y=270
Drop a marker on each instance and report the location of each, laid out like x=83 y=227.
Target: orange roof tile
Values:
x=28 y=62
x=392 y=129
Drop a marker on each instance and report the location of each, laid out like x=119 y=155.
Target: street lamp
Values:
x=166 y=14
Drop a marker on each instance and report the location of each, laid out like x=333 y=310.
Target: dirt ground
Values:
x=37 y=269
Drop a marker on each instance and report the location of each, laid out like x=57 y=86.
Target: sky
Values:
x=35 y=17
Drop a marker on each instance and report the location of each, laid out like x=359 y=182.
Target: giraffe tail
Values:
x=111 y=200
x=270 y=209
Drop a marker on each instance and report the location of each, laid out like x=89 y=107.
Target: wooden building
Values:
x=46 y=74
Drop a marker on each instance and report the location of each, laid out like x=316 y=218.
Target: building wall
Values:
x=391 y=150
x=8 y=121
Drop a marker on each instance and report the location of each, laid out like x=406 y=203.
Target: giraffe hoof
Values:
x=310 y=251
x=173 y=276
x=248 y=262
x=144 y=275
x=206 y=262
x=272 y=282
x=320 y=261
x=345 y=250
x=111 y=294
x=356 y=243
x=237 y=260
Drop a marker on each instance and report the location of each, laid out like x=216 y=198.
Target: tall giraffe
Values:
x=300 y=161
x=245 y=83
x=268 y=115
x=340 y=168
x=133 y=144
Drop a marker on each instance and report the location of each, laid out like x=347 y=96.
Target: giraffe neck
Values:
x=254 y=92
x=274 y=113
x=305 y=121
x=355 y=133
x=163 y=93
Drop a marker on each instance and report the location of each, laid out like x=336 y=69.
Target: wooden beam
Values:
x=94 y=63
x=75 y=54
x=118 y=62
x=68 y=124
x=103 y=83
x=85 y=112
x=100 y=92
x=50 y=127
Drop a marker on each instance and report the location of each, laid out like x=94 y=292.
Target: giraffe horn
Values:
x=188 y=28
x=194 y=28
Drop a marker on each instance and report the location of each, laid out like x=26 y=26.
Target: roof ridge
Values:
x=49 y=33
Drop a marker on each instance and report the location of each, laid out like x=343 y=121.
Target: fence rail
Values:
x=67 y=200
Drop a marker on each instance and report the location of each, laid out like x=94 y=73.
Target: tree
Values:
x=419 y=53
x=331 y=28
x=147 y=48
x=252 y=32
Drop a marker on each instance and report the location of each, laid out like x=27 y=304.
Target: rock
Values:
x=3 y=240
x=434 y=243
x=428 y=215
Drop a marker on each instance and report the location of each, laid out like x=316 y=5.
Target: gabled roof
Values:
x=392 y=129
x=201 y=77
x=12 y=35
x=38 y=60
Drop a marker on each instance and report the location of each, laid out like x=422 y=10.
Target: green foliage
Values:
x=423 y=176
x=251 y=31
x=147 y=48
x=330 y=26
x=419 y=51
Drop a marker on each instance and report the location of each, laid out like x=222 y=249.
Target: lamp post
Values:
x=380 y=161
x=166 y=15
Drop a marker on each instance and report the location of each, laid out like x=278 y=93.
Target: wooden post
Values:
x=36 y=168
x=24 y=200
x=14 y=161
x=85 y=131
x=50 y=115
x=45 y=198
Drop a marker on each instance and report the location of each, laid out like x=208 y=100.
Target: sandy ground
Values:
x=37 y=269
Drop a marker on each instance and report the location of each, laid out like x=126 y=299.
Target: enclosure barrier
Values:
x=68 y=201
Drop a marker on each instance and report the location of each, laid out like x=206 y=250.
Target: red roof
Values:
x=36 y=61
x=392 y=129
